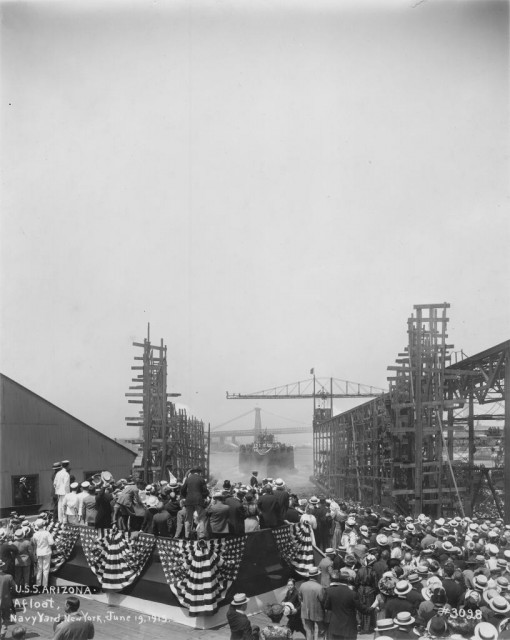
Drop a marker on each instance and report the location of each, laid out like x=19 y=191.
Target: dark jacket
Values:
x=343 y=604
x=194 y=490
x=236 y=516
x=269 y=509
x=240 y=626
x=282 y=497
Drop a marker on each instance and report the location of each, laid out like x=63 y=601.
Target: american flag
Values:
x=199 y=573
x=116 y=558
x=65 y=536
x=294 y=543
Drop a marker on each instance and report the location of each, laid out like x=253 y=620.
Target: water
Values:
x=224 y=466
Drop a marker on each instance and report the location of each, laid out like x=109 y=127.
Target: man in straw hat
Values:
x=344 y=604
x=404 y=622
x=43 y=541
x=311 y=596
x=240 y=626
x=25 y=557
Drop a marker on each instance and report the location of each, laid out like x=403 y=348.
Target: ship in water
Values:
x=266 y=455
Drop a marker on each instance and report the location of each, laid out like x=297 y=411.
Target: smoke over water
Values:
x=224 y=466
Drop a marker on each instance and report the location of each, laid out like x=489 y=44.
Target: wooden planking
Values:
x=118 y=627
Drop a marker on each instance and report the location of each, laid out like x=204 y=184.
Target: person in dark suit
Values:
x=218 y=514
x=283 y=499
x=254 y=481
x=269 y=509
x=343 y=602
x=194 y=491
x=240 y=626
x=236 y=515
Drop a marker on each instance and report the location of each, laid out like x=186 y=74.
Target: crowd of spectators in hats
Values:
x=381 y=573
x=399 y=578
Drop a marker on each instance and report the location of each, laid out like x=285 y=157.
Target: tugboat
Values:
x=266 y=454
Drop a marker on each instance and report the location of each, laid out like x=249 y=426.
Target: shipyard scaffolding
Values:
x=171 y=441
x=422 y=446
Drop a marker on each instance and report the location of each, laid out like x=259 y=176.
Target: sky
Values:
x=271 y=185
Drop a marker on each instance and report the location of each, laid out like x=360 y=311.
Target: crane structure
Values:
x=321 y=390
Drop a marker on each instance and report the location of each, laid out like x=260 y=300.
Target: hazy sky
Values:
x=272 y=185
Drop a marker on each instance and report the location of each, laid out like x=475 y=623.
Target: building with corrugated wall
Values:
x=34 y=433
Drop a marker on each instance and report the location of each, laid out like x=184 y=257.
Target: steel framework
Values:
x=401 y=449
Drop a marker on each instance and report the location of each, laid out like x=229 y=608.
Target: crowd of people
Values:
x=381 y=574
x=395 y=578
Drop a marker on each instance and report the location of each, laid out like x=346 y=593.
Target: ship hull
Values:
x=269 y=463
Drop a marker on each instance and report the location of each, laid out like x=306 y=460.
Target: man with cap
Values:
x=43 y=541
x=311 y=596
x=326 y=566
x=62 y=485
x=88 y=504
x=344 y=604
x=404 y=623
x=71 y=505
x=399 y=601
x=240 y=626
x=24 y=559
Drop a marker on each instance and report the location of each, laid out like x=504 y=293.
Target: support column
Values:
x=471 y=449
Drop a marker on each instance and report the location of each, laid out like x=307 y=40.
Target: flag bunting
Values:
x=199 y=572
x=116 y=558
x=65 y=537
x=294 y=543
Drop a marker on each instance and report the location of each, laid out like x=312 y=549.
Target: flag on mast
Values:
x=312 y=371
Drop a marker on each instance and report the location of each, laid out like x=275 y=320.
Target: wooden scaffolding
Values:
x=170 y=440
x=403 y=449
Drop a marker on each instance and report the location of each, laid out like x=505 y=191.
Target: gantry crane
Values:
x=319 y=389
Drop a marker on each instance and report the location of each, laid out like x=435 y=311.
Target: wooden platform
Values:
x=111 y=622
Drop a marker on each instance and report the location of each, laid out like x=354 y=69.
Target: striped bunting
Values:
x=65 y=536
x=199 y=573
x=294 y=543
x=115 y=558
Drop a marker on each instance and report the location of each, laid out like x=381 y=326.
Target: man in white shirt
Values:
x=61 y=484
x=72 y=505
x=43 y=541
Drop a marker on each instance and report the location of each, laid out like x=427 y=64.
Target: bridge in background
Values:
x=238 y=433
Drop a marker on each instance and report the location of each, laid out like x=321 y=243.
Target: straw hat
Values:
x=313 y=571
x=480 y=582
x=499 y=604
x=239 y=599
x=403 y=618
x=485 y=631
x=402 y=587
x=386 y=624
x=381 y=540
